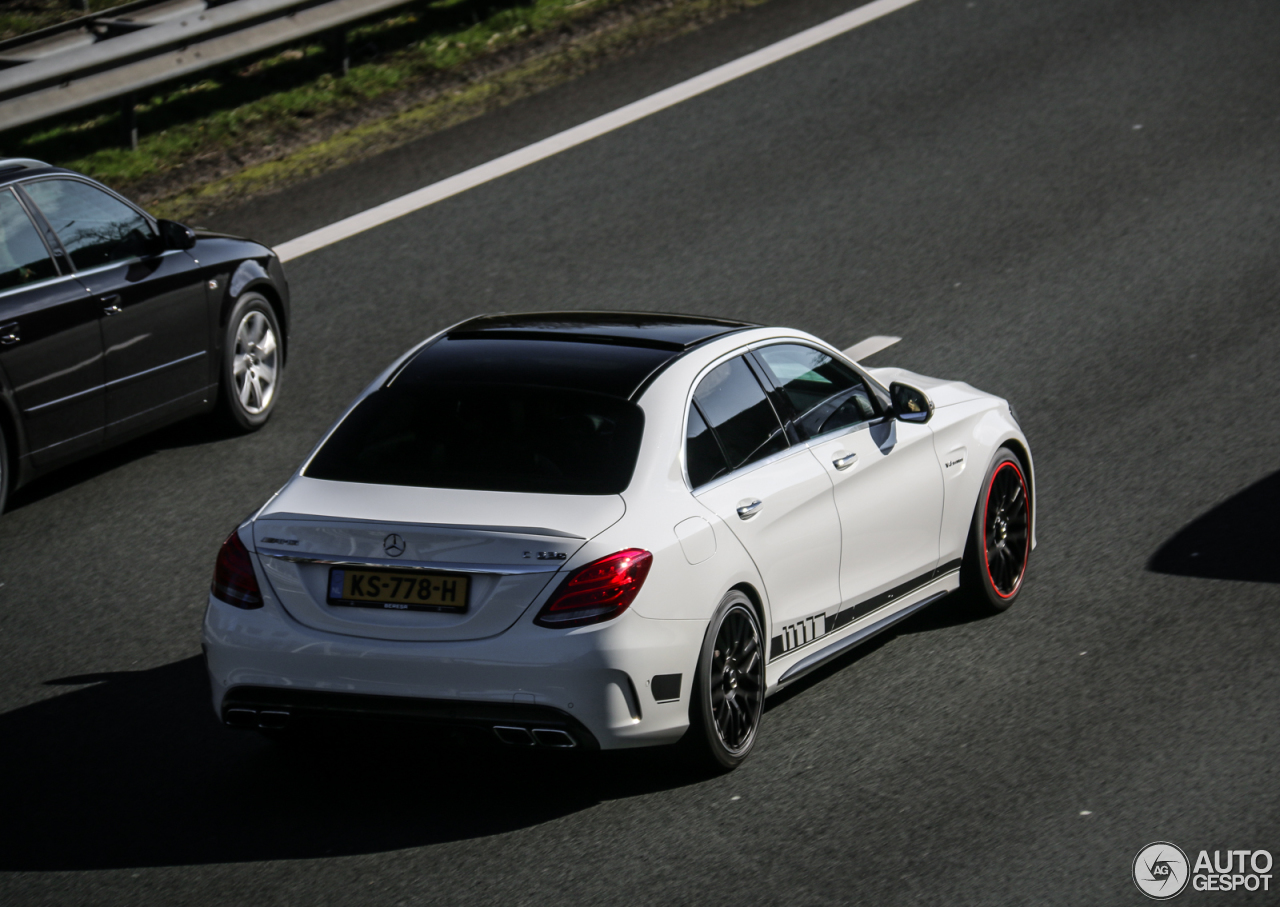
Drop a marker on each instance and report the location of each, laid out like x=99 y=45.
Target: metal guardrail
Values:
x=108 y=56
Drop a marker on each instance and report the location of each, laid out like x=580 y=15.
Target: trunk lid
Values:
x=508 y=547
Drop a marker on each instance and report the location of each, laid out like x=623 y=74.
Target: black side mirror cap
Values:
x=910 y=404
x=176 y=235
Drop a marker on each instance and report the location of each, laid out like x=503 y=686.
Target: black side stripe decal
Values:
x=779 y=646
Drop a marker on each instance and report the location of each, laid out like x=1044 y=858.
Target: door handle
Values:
x=111 y=304
x=845 y=461
x=748 y=509
x=9 y=333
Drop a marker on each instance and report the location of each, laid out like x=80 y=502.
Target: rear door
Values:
x=773 y=496
x=888 y=487
x=50 y=346
x=155 y=328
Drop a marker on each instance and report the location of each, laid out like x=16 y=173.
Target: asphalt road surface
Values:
x=1073 y=204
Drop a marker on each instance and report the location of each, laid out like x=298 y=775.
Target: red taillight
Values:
x=599 y=591
x=233 y=579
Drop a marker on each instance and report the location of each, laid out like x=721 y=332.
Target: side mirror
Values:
x=909 y=404
x=175 y=235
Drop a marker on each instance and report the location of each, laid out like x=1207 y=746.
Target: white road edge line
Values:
x=585 y=132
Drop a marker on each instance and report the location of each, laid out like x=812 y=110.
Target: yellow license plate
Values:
x=398 y=590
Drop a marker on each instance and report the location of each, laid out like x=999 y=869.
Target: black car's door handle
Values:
x=111 y=304
x=10 y=333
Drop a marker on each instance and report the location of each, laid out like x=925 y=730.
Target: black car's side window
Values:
x=23 y=256
x=740 y=416
x=825 y=394
x=95 y=228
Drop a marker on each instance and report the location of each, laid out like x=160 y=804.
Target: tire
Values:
x=4 y=469
x=728 y=688
x=999 y=545
x=252 y=364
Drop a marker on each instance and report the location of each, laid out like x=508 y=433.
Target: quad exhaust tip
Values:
x=549 y=737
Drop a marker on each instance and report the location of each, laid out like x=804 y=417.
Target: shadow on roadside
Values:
x=1239 y=539
x=135 y=770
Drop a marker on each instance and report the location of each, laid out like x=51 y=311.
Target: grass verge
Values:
x=224 y=140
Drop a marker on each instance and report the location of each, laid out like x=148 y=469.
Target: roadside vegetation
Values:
x=17 y=17
x=247 y=130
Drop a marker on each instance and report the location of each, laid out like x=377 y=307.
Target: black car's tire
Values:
x=999 y=545
x=252 y=364
x=728 y=688
x=4 y=469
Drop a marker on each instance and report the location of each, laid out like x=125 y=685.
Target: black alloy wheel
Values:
x=999 y=547
x=728 y=690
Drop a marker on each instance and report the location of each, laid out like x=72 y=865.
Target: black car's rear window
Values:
x=523 y=416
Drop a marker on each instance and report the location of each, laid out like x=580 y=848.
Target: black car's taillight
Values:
x=599 y=591
x=233 y=579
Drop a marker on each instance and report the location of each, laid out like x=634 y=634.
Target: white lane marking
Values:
x=869 y=347
x=584 y=132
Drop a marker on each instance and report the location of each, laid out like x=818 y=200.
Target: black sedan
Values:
x=113 y=323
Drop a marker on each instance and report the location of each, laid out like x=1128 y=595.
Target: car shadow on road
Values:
x=192 y=432
x=133 y=769
x=1239 y=539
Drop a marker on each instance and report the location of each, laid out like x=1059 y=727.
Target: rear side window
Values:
x=23 y=256
x=486 y=437
x=703 y=456
x=739 y=415
x=826 y=395
x=95 y=228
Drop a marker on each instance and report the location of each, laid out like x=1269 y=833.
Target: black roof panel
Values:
x=675 y=333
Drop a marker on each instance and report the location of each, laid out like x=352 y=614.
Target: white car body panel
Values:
x=833 y=544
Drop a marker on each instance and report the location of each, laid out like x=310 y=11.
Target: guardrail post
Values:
x=129 y=121
x=342 y=52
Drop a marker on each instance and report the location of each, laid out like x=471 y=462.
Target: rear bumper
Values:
x=512 y=723
x=593 y=684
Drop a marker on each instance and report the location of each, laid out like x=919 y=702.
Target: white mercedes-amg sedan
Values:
x=605 y=530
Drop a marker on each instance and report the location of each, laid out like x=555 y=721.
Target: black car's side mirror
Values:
x=175 y=235
x=909 y=404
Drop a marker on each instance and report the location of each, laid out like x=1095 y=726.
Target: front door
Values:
x=155 y=327
x=888 y=485
x=774 y=497
x=50 y=346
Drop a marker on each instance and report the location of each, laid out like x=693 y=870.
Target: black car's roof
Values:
x=613 y=353
x=674 y=333
x=15 y=168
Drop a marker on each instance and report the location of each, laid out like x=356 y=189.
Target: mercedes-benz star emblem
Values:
x=393 y=545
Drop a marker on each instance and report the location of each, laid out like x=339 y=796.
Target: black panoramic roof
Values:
x=675 y=333
x=611 y=353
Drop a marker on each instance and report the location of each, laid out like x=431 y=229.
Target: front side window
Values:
x=739 y=415
x=95 y=228
x=23 y=256
x=825 y=394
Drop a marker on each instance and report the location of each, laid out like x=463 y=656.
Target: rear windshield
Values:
x=486 y=437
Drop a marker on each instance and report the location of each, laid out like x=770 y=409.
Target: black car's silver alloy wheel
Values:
x=728 y=693
x=255 y=362
x=4 y=469
x=252 y=362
